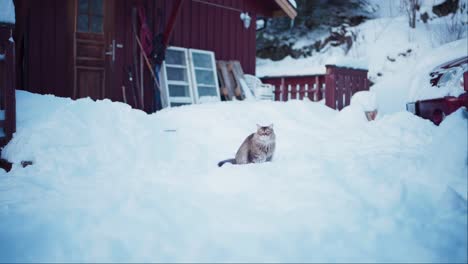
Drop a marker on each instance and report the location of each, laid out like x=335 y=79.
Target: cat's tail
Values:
x=233 y=161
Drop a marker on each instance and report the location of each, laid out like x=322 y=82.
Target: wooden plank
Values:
x=48 y=85
x=287 y=8
x=228 y=80
x=331 y=88
x=236 y=71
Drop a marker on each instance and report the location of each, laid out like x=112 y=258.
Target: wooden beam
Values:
x=287 y=8
x=172 y=19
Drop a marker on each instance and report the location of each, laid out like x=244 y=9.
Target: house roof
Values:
x=288 y=7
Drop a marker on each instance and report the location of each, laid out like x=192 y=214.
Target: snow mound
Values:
x=112 y=184
x=7 y=11
x=365 y=100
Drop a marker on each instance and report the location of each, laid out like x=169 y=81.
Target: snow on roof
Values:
x=307 y=66
x=7 y=12
x=293 y=3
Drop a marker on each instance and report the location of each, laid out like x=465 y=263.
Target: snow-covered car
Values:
x=452 y=75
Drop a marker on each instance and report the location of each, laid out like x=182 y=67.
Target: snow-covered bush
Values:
x=450 y=28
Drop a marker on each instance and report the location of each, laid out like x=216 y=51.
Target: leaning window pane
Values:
x=177 y=74
x=179 y=91
x=202 y=60
x=175 y=57
x=205 y=77
x=207 y=91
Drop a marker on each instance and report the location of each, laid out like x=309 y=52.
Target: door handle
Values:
x=112 y=47
x=111 y=52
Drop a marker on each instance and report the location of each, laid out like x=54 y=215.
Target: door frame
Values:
x=108 y=35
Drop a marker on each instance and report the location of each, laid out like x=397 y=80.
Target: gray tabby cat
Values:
x=256 y=148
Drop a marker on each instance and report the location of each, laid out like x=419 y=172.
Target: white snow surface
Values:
x=293 y=3
x=112 y=184
x=365 y=100
x=7 y=11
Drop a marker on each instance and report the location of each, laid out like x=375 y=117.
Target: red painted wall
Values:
x=48 y=63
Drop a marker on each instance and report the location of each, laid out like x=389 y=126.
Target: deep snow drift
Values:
x=114 y=184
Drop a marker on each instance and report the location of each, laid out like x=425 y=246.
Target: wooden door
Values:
x=95 y=48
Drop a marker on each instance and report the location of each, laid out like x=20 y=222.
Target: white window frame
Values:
x=213 y=70
x=192 y=83
x=166 y=99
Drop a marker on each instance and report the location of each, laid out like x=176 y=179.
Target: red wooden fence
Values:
x=336 y=86
x=7 y=85
x=465 y=81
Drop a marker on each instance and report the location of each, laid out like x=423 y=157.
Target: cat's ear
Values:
x=258 y=126
x=271 y=126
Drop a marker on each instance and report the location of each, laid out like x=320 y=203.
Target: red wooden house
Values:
x=80 y=48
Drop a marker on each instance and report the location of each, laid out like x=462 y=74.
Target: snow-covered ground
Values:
x=113 y=184
x=109 y=183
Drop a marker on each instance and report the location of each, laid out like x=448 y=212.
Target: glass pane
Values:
x=83 y=7
x=204 y=77
x=206 y=91
x=82 y=24
x=96 y=7
x=179 y=91
x=178 y=104
x=96 y=24
x=202 y=60
x=176 y=57
x=177 y=74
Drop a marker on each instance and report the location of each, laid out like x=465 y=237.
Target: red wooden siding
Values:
x=208 y=27
x=45 y=36
x=45 y=41
x=336 y=86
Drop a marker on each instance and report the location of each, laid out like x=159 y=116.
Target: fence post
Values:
x=277 y=92
x=8 y=80
x=465 y=81
x=284 y=90
x=302 y=89
x=293 y=91
x=317 y=89
x=330 y=86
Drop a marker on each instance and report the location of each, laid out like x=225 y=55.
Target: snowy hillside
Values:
x=398 y=58
x=113 y=184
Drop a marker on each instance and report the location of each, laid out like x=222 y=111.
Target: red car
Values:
x=447 y=73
